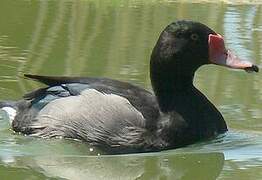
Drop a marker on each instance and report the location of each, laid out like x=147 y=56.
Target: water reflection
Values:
x=140 y=167
x=21 y=173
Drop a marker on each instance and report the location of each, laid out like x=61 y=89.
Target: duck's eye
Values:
x=194 y=37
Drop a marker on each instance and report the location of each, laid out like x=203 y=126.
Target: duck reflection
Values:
x=140 y=167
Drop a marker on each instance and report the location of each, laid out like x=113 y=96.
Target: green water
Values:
x=114 y=39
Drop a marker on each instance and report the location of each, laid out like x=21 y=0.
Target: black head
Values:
x=183 y=44
x=181 y=49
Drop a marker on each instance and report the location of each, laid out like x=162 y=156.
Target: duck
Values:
x=118 y=117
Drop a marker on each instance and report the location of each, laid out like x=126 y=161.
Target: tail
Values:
x=10 y=107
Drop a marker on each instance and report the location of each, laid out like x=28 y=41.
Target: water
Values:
x=114 y=39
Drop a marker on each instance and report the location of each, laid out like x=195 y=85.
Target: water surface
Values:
x=114 y=39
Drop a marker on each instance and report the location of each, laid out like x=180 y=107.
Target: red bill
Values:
x=218 y=54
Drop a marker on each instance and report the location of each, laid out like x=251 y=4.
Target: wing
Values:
x=60 y=87
x=105 y=120
x=143 y=100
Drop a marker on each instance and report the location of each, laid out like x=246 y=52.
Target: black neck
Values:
x=190 y=113
x=169 y=82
